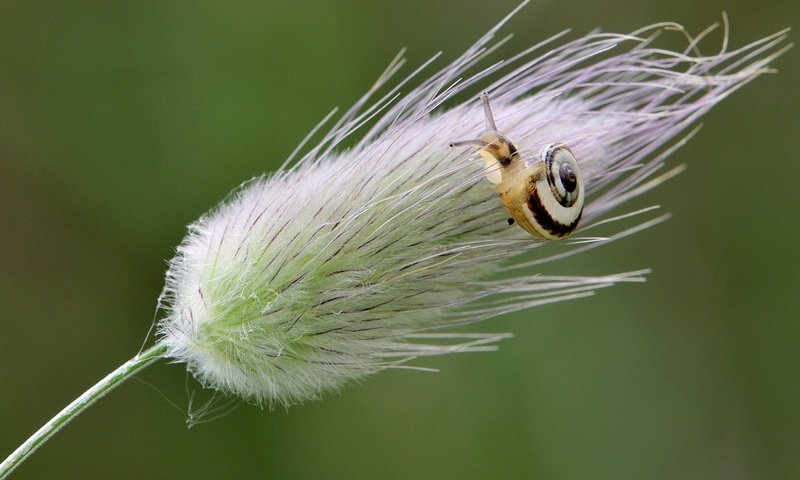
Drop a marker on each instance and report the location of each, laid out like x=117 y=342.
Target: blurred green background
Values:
x=121 y=123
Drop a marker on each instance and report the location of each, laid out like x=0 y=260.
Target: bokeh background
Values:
x=120 y=123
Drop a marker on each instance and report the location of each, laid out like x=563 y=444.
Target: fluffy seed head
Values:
x=344 y=263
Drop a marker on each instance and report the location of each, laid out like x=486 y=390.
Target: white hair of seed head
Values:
x=345 y=263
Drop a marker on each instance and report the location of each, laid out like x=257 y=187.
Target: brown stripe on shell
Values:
x=551 y=176
x=546 y=221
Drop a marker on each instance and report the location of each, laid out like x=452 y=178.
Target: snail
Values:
x=543 y=195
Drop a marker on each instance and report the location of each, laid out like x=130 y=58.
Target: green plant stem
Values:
x=86 y=399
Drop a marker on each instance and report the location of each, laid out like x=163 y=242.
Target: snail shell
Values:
x=544 y=196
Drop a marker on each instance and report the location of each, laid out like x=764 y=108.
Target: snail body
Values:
x=543 y=195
